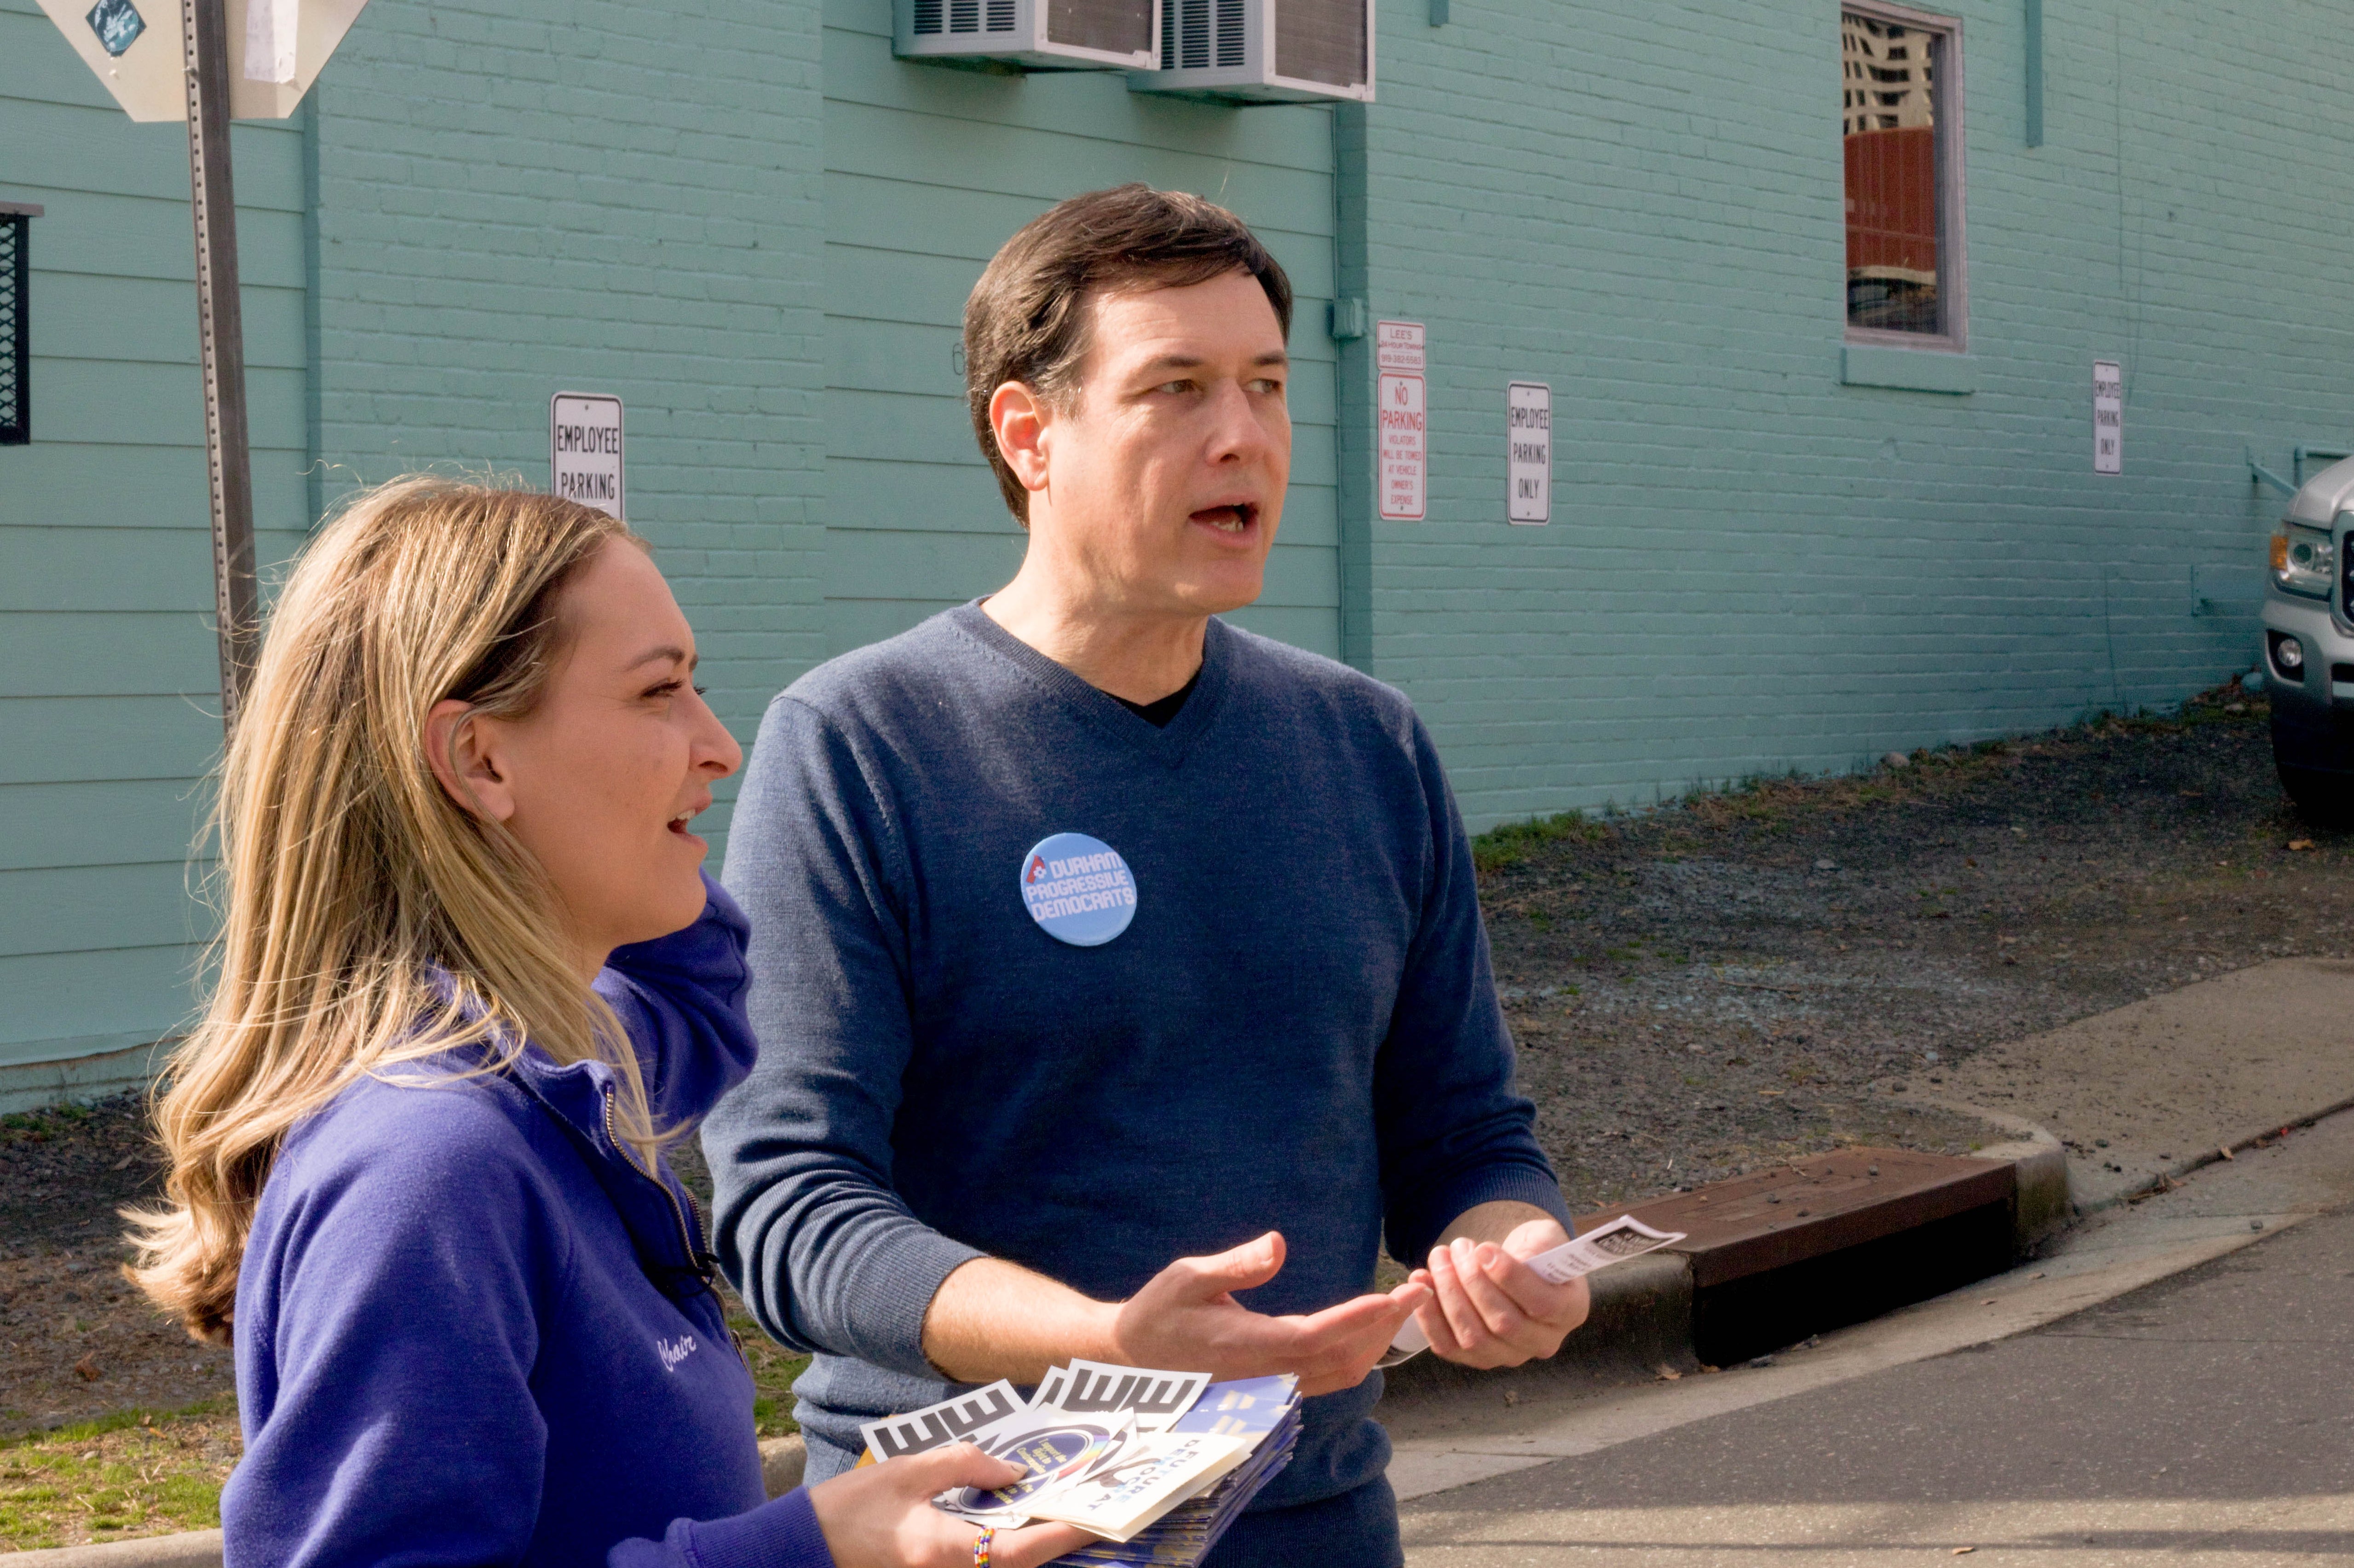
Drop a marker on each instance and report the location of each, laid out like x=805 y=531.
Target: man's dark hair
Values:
x=1027 y=318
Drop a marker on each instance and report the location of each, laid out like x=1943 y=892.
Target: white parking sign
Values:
x=584 y=450
x=1401 y=420
x=1527 y=455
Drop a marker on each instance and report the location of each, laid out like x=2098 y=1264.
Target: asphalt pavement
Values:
x=2204 y=1418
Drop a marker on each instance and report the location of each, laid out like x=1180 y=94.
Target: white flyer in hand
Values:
x=1094 y=1388
x=1615 y=1241
x=951 y=1421
x=1126 y=1495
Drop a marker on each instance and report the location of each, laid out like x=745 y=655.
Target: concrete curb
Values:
x=2164 y=1179
x=2045 y=1198
x=196 y=1549
x=782 y=1460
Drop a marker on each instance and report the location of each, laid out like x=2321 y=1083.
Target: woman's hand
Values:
x=880 y=1516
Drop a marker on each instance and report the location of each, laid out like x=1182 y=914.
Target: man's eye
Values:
x=1174 y=386
x=1264 y=385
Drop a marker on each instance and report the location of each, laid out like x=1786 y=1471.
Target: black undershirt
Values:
x=1158 y=713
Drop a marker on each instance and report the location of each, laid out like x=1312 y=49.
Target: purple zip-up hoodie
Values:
x=471 y=1329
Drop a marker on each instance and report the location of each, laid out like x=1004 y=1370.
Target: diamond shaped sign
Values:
x=118 y=25
x=276 y=50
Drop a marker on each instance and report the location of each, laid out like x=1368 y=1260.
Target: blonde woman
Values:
x=470 y=979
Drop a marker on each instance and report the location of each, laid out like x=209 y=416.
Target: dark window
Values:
x=15 y=327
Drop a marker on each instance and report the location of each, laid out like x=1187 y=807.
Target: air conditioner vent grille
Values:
x=1117 y=27
x=933 y=18
x=1320 y=41
x=1198 y=34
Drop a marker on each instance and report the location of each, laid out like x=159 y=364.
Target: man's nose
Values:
x=1239 y=430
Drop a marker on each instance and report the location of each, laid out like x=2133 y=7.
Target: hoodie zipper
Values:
x=705 y=1266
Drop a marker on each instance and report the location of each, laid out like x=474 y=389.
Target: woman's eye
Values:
x=665 y=689
x=702 y=691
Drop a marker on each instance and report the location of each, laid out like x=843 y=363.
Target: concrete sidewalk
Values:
x=2138 y=1098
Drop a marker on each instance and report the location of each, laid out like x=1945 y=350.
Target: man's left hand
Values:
x=1489 y=1309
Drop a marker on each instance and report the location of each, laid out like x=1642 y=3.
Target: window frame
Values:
x=1946 y=105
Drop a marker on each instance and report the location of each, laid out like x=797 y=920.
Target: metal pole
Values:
x=220 y=331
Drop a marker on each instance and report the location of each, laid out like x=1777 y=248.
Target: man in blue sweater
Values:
x=1090 y=933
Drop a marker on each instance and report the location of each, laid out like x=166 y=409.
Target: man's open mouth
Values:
x=1234 y=518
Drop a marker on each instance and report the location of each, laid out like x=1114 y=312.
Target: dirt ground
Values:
x=1752 y=974
x=1695 y=991
x=76 y=1339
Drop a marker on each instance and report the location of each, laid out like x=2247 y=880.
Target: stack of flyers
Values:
x=1157 y=1464
x=1262 y=1413
x=1605 y=1244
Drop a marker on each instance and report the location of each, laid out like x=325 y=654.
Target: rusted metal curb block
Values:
x=782 y=1460
x=1831 y=1239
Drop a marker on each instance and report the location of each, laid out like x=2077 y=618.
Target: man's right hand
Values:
x=1187 y=1320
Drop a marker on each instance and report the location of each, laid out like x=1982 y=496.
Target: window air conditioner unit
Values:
x=1264 y=51
x=1042 y=35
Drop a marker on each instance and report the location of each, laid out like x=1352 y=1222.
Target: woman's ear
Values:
x=1020 y=417
x=461 y=746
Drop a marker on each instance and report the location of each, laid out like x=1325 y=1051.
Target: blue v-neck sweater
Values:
x=471 y=1329
x=1296 y=1032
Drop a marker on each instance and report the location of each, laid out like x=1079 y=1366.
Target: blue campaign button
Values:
x=1077 y=889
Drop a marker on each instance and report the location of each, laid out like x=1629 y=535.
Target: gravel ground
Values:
x=1696 y=990
x=1750 y=975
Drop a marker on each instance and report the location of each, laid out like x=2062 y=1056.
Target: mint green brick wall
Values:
x=110 y=704
x=517 y=198
x=928 y=169
x=1752 y=566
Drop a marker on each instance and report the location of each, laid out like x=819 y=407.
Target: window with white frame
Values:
x=1900 y=125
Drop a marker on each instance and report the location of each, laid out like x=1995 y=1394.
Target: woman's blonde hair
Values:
x=349 y=878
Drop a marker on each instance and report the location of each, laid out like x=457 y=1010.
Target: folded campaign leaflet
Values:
x=1054 y=1449
x=1094 y=1388
x=1615 y=1241
x=1157 y=1462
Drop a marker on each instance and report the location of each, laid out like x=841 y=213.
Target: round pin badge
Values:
x=1077 y=889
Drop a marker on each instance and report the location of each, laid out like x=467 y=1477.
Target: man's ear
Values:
x=462 y=747
x=1021 y=419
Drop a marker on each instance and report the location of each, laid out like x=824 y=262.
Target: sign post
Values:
x=220 y=336
x=205 y=62
x=1401 y=421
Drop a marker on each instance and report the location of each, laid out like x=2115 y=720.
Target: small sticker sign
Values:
x=1401 y=420
x=2108 y=418
x=1077 y=889
x=1528 y=454
x=584 y=450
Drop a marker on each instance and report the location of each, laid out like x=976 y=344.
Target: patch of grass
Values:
x=136 y=1472
x=773 y=1370
x=39 y=1126
x=1509 y=844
